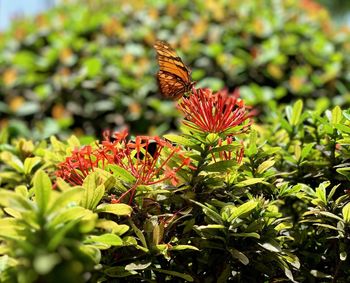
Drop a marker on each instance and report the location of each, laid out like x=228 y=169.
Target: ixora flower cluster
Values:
x=153 y=160
x=215 y=113
x=147 y=159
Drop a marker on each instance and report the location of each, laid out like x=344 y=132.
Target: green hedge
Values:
x=89 y=66
x=280 y=214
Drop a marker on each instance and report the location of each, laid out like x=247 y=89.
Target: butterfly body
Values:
x=174 y=78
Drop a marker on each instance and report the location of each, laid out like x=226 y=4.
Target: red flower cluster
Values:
x=77 y=166
x=214 y=113
x=143 y=158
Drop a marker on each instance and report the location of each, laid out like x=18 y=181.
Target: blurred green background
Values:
x=85 y=66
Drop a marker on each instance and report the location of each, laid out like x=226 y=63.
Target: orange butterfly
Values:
x=174 y=78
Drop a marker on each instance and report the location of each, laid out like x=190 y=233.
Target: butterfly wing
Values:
x=170 y=85
x=174 y=78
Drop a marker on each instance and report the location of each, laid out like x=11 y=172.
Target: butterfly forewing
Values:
x=174 y=78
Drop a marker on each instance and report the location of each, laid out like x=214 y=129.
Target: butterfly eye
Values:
x=174 y=78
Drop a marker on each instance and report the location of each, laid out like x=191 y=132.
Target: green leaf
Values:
x=327 y=226
x=225 y=273
x=60 y=232
x=306 y=150
x=113 y=227
x=271 y=246
x=115 y=208
x=129 y=241
x=321 y=191
x=220 y=166
x=249 y=182
x=13 y=212
x=109 y=181
x=138 y=233
x=62 y=184
x=174 y=273
x=227 y=147
x=28 y=108
x=247 y=235
x=93 y=193
x=292 y=259
x=319 y=274
x=71 y=195
x=14 y=200
x=213 y=215
x=91 y=252
x=121 y=173
x=107 y=239
x=119 y=272
x=9 y=227
x=289 y=112
x=343 y=128
x=242 y=209
x=210 y=226
x=288 y=272
x=71 y=214
x=44 y=263
x=265 y=165
x=297 y=152
x=179 y=140
x=332 y=192
x=184 y=247
x=73 y=142
x=252 y=148
x=22 y=190
x=346 y=213
x=93 y=66
x=12 y=160
x=138 y=265
x=285 y=124
x=294 y=114
x=343 y=256
x=331 y=215
x=4 y=135
x=346 y=114
x=336 y=115
x=345 y=171
x=30 y=163
x=240 y=256
x=42 y=188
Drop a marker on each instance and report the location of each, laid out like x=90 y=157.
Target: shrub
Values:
x=88 y=67
x=224 y=204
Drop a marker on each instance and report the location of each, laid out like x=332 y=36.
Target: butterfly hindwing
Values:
x=170 y=85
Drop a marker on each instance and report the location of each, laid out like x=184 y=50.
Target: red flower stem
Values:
x=164 y=162
x=127 y=192
x=133 y=192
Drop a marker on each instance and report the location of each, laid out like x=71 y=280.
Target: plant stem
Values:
x=201 y=162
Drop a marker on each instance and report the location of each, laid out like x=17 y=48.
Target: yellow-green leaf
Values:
x=115 y=208
x=346 y=212
x=249 y=182
x=30 y=163
x=42 y=188
x=265 y=165
x=336 y=115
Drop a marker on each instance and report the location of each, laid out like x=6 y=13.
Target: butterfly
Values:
x=174 y=78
